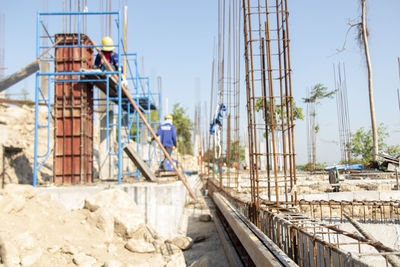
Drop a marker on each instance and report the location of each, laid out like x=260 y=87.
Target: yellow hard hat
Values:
x=168 y=117
x=107 y=41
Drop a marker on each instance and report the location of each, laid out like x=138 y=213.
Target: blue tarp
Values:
x=345 y=167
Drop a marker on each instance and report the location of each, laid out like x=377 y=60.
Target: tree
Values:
x=362 y=38
x=317 y=94
x=236 y=148
x=183 y=126
x=154 y=117
x=361 y=145
x=364 y=30
x=297 y=111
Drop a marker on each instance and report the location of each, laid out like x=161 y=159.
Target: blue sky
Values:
x=176 y=40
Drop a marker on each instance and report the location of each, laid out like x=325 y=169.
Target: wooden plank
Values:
x=19 y=75
x=140 y=164
x=102 y=85
x=153 y=134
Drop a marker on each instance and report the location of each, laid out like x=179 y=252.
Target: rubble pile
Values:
x=36 y=230
x=17 y=127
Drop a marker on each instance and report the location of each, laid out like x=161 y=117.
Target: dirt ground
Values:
x=210 y=249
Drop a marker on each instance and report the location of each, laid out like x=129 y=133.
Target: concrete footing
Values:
x=353 y=196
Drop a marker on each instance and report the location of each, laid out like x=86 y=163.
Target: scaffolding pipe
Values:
x=139 y=112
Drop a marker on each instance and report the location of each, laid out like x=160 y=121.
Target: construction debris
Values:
x=36 y=230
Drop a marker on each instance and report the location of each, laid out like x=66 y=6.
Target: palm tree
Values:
x=318 y=93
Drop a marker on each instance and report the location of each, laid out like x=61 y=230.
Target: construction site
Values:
x=88 y=180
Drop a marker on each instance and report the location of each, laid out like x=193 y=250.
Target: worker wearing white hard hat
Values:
x=167 y=134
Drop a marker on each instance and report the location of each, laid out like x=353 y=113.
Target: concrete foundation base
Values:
x=353 y=196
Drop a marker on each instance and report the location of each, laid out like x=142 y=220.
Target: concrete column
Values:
x=44 y=80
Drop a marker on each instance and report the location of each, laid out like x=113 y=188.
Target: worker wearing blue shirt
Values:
x=112 y=57
x=167 y=134
x=109 y=54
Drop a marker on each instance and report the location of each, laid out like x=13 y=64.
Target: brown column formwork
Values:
x=73 y=106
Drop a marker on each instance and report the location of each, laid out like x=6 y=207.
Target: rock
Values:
x=182 y=242
x=25 y=190
x=53 y=249
x=143 y=264
x=127 y=216
x=205 y=218
x=139 y=246
x=113 y=263
x=31 y=256
x=158 y=245
x=143 y=233
x=12 y=204
x=155 y=260
x=25 y=241
x=83 y=260
x=68 y=249
x=103 y=220
x=112 y=249
x=176 y=260
x=168 y=249
x=8 y=253
x=127 y=221
x=204 y=261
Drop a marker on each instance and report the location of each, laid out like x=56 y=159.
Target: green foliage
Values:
x=236 y=148
x=183 y=126
x=361 y=145
x=297 y=111
x=154 y=117
x=316 y=129
x=309 y=166
x=352 y=161
x=318 y=93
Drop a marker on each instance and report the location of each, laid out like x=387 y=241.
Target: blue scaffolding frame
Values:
x=123 y=107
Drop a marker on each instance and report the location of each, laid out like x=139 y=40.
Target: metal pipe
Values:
x=126 y=93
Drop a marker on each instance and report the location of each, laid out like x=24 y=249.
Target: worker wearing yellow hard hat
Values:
x=107 y=50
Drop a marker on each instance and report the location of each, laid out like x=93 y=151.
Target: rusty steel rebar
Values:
x=269 y=99
x=393 y=259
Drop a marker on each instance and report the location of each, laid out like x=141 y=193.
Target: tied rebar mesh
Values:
x=269 y=101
